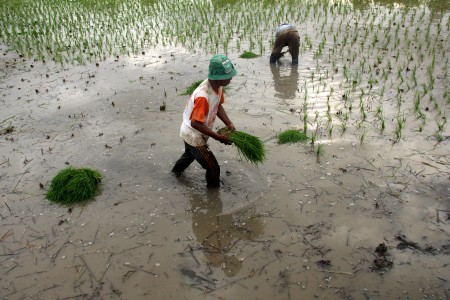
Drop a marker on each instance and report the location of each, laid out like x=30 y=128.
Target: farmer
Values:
x=199 y=115
x=286 y=35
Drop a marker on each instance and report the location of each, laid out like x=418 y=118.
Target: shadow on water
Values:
x=219 y=234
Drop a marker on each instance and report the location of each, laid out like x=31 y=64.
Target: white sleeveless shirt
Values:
x=190 y=135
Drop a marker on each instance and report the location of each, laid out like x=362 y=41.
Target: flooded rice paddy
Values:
x=362 y=213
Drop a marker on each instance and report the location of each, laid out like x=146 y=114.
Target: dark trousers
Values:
x=290 y=39
x=205 y=158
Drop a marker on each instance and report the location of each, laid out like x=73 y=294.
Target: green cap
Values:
x=221 y=68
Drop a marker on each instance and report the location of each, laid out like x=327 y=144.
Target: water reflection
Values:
x=219 y=234
x=285 y=80
x=434 y=5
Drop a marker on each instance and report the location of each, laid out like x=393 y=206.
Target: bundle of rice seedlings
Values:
x=292 y=136
x=248 y=54
x=73 y=185
x=191 y=88
x=250 y=148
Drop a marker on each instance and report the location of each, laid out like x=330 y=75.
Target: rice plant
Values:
x=399 y=127
x=369 y=51
x=319 y=152
x=292 y=136
x=362 y=136
x=250 y=148
x=305 y=117
x=439 y=137
x=417 y=100
x=441 y=125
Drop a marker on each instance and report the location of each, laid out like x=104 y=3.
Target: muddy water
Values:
x=296 y=227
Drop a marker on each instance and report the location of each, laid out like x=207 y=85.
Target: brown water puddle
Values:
x=292 y=228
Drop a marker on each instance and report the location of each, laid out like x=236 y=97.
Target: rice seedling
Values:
x=390 y=39
x=248 y=54
x=329 y=117
x=362 y=136
x=383 y=90
x=379 y=112
x=382 y=125
x=292 y=136
x=439 y=137
x=250 y=148
x=305 y=117
x=319 y=152
x=414 y=76
x=441 y=125
x=191 y=88
x=73 y=185
x=399 y=101
x=399 y=128
x=343 y=127
x=330 y=132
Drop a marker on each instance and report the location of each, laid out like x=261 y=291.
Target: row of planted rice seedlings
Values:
x=354 y=57
x=363 y=54
x=75 y=31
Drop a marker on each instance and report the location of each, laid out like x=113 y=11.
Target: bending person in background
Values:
x=286 y=35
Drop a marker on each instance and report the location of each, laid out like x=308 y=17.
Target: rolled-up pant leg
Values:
x=208 y=161
x=184 y=161
x=205 y=158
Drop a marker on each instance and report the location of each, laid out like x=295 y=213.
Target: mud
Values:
x=297 y=227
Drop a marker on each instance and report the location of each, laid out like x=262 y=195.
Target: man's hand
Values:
x=223 y=139
x=231 y=126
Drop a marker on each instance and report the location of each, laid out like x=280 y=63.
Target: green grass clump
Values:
x=73 y=185
x=292 y=136
x=248 y=54
x=191 y=88
x=250 y=148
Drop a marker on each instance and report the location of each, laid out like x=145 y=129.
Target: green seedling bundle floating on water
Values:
x=248 y=54
x=73 y=185
x=292 y=136
x=250 y=148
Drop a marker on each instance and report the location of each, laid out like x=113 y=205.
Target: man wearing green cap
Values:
x=199 y=115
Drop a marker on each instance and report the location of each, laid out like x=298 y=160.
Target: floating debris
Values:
x=381 y=262
x=7 y=130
